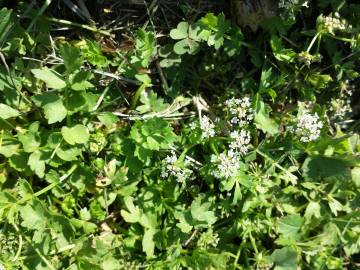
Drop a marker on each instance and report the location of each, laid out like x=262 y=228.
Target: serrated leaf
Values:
x=107 y=118
x=284 y=259
x=51 y=79
x=68 y=153
x=52 y=105
x=71 y=56
x=37 y=163
x=312 y=210
x=30 y=141
x=33 y=216
x=200 y=211
x=78 y=134
x=133 y=213
x=330 y=168
x=151 y=103
x=289 y=226
x=7 y=112
x=79 y=81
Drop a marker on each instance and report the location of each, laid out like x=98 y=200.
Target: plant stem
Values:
x=83 y=26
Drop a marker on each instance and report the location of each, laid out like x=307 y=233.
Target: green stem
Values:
x=252 y=240
x=313 y=41
x=83 y=26
x=276 y=164
x=46 y=261
x=340 y=38
x=52 y=185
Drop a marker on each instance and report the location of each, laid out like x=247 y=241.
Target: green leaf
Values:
x=148 y=243
x=330 y=168
x=180 y=32
x=6 y=23
x=200 y=211
x=52 y=105
x=107 y=118
x=133 y=214
x=33 y=216
x=68 y=153
x=7 y=112
x=186 y=46
x=9 y=145
x=280 y=53
x=51 y=79
x=262 y=119
x=71 y=56
x=79 y=81
x=37 y=163
x=30 y=141
x=284 y=259
x=312 y=210
x=152 y=103
x=289 y=226
x=76 y=134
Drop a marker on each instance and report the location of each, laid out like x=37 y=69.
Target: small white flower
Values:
x=308 y=127
x=207 y=127
x=241 y=141
x=240 y=110
x=227 y=164
x=193 y=125
x=170 y=168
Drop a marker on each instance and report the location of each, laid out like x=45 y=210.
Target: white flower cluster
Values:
x=289 y=4
x=341 y=106
x=308 y=127
x=241 y=141
x=333 y=23
x=240 y=110
x=170 y=168
x=207 y=127
x=228 y=164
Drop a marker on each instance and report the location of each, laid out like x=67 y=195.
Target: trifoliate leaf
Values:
x=76 y=134
x=180 y=32
x=51 y=79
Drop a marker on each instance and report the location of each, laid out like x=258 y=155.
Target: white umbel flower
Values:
x=170 y=168
x=207 y=127
x=240 y=111
x=308 y=127
x=227 y=164
x=241 y=141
